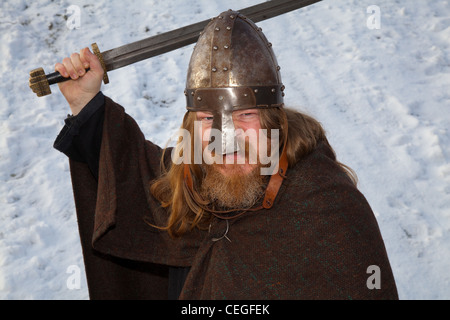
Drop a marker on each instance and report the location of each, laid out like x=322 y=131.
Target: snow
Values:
x=381 y=93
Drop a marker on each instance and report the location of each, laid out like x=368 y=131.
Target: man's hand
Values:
x=84 y=85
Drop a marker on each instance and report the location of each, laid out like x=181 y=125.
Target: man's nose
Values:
x=229 y=141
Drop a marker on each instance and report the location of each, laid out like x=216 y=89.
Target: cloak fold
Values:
x=108 y=277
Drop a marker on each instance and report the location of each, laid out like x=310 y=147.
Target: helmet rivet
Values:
x=226 y=46
x=273 y=90
x=215 y=47
x=192 y=93
x=278 y=68
x=225 y=69
x=283 y=87
x=232 y=17
x=185 y=92
x=269 y=44
x=256 y=90
x=199 y=98
x=228 y=28
x=245 y=95
x=217 y=29
x=214 y=69
x=220 y=98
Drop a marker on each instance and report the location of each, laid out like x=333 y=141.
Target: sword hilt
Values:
x=40 y=83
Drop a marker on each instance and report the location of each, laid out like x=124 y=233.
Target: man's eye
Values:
x=248 y=115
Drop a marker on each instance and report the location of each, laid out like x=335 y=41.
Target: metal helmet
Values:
x=233 y=67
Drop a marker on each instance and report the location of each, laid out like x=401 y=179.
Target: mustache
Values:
x=245 y=150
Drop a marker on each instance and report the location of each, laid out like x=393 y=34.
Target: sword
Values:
x=140 y=50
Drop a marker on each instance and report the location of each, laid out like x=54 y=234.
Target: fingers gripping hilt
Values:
x=40 y=83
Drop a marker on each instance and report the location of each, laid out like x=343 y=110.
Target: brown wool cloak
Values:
x=316 y=242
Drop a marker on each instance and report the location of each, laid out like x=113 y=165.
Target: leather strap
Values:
x=275 y=181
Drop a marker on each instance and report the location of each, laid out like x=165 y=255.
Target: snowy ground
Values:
x=382 y=94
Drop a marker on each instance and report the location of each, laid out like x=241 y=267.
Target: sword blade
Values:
x=143 y=49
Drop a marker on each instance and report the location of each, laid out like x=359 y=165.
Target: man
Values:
x=266 y=215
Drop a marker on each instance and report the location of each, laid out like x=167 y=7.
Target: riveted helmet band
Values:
x=238 y=98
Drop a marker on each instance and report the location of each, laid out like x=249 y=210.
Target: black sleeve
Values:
x=81 y=137
x=177 y=278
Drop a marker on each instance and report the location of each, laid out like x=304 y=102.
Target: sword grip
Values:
x=56 y=77
x=40 y=83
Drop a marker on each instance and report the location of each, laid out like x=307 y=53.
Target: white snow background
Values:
x=382 y=94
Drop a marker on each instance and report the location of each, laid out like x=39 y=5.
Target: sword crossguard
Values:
x=100 y=57
x=40 y=83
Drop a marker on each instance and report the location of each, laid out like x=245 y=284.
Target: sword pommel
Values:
x=38 y=82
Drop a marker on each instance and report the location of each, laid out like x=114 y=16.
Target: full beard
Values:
x=238 y=189
x=233 y=185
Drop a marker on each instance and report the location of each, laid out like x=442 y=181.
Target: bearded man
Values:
x=250 y=204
